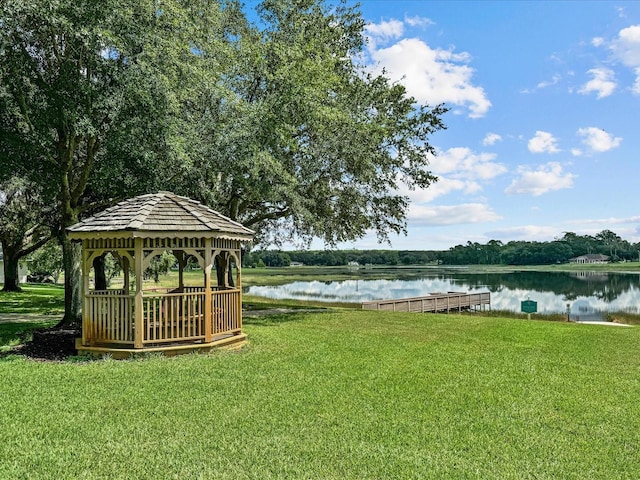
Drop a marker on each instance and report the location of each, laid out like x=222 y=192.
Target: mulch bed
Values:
x=50 y=344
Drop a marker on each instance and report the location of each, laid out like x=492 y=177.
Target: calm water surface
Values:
x=589 y=294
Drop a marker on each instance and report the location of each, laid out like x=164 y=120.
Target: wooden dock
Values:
x=435 y=302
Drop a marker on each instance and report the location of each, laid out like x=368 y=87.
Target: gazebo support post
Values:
x=208 y=310
x=139 y=304
x=239 y=284
x=85 y=298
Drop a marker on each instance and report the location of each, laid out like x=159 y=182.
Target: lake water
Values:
x=589 y=294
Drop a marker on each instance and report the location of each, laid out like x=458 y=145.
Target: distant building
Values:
x=296 y=264
x=590 y=258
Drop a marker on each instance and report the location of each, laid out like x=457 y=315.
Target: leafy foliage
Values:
x=301 y=141
x=23 y=229
x=47 y=261
x=160 y=265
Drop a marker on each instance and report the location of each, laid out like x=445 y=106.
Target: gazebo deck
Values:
x=224 y=341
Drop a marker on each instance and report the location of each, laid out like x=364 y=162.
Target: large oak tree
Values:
x=277 y=124
x=90 y=97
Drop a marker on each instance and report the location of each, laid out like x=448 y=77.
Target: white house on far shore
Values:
x=590 y=258
x=22 y=270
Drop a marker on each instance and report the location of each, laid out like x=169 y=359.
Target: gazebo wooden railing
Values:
x=168 y=317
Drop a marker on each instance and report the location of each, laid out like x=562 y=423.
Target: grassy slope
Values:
x=338 y=395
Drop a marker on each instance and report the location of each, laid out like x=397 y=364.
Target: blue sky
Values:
x=543 y=133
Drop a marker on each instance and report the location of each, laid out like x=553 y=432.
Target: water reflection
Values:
x=588 y=293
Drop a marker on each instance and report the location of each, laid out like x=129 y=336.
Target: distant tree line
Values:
x=330 y=258
x=494 y=252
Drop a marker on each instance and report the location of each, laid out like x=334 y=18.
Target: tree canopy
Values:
x=277 y=124
x=300 y=140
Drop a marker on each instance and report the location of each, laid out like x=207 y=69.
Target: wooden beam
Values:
x=208 y=317
x=86 y=314
x=139 y=304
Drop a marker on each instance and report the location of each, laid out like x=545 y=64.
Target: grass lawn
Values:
x=339 y=395
x=40 y=299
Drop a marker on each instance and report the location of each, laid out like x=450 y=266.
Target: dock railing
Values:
x=435 y=302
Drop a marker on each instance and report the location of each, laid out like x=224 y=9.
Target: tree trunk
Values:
x=100 y=277
x=222 y=263
x=11 y=269
x=71 y=258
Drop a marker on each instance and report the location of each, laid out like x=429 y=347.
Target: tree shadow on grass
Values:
x=271 y=318
x=33 y=299
x=36 y=340
x=14 y=333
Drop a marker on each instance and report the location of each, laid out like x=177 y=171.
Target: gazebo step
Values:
x=228 y=342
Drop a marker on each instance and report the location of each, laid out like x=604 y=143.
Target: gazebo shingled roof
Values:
x=162 y=211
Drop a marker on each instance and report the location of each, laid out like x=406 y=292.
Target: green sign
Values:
x=529 y=306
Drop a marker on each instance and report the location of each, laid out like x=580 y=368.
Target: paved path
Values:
x=276 y=311
x=610 y=324
x=27 y=317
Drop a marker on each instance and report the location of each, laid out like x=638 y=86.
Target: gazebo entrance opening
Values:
x=203 y=311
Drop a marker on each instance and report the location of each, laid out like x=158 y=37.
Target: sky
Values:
x=543 y=132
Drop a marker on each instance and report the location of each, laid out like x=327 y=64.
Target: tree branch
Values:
x=92 y=147
x=273 y=215
x=35 y=246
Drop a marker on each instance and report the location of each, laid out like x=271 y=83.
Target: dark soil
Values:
x=50 y=344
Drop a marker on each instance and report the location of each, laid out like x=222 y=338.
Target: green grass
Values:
x=41 y=299
x=339 y=395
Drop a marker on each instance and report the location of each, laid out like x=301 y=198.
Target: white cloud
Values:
x=384 y=31
x=597 y=140
x=608 y=221
x=440 y=188
x=576 y=152
x=524 y=232
x=458 y=169
x=547 y=83
x=491 y=139
x=627 y=46
x=432 y=76
x=543 y=142
x=462 y=162
x=544 y=84
x=546 y=178
x=636 y=85
x=603 y=82
x=626 y=50
x=423 y=215
x=418 y=21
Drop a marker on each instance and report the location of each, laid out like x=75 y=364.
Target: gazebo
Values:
x=177 y=319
